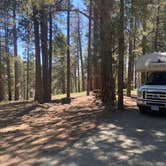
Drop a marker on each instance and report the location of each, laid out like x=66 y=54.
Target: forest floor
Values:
x=78 y=132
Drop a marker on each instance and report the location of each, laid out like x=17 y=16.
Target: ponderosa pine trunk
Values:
x=75 y=77
x=131 y=58
x=89 y=50
x=81 y=57
x=27 y=80
x=2 y=92
x=78 y=66
x=68 y=51
x=63 y=76
x=9 y=78
x=44 y=49
x=50 y=53
x=9 y=87
x=28 y=63
x=16 y=69
x=134 y=47
x=38 y=74
x=156 y=41
x=121 y=57
x=96 y=42
x=24 y=85
x=144 y=39
x=106 y=54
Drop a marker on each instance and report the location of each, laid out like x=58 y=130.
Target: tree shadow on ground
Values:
x=80 y=134
x=64 y=100
x=26 y=138
x=122 y=138
x=11 y=113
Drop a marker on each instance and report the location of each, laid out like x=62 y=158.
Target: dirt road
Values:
x=124 y=139
x=79 y=134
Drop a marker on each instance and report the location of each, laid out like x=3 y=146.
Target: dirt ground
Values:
x=77 y=132
x=29 y=131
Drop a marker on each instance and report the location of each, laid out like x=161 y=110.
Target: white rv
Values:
x=152 y=94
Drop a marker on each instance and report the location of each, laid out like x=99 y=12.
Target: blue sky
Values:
x=79 y=3
x=76 y=3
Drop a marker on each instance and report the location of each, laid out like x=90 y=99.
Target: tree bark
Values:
x=89 y=50
x=50 y=53
x=96 y=51
x=75 y=76
x=78 y=66
x=38 y=78
x=106 y=54
x=121 y=57
x=27 y=80
x=144 y=39
x=2 y=92
x=44 y=48
x=81 y=57
x=9 y=79
x=134 y=47
x=16 y=69
x=68 y=51
x=157 y=28
x=131 y=58
x=8 y=59
x=63 y=78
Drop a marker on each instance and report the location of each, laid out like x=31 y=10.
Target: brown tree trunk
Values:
x=131 y=58
x=8 y=60
x=121 y=57
x=24 y=85
x=9 y=79
x=27 y=93
x=28 y=62
x=157 y=28
x=50 y=53
x=78 y=66
x=38 y=78
x=68 y=51
x=44 y=48
x=16 y=70
x=134 y=47
x=81 y=57
x=96 y=42
x=63 y=79
x=106 y=55
x=144 y=41
x=144 y=50
x=75 y=77
x=2 y=92
x=89 y=50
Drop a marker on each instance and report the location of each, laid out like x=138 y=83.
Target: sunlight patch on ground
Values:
x=60 y=96
x=14 y=128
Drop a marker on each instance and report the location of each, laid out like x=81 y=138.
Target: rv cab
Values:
x=152 y=93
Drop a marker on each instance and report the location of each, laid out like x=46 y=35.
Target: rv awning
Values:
x=151 y=62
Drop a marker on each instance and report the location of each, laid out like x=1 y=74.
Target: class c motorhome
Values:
x=152 y=93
